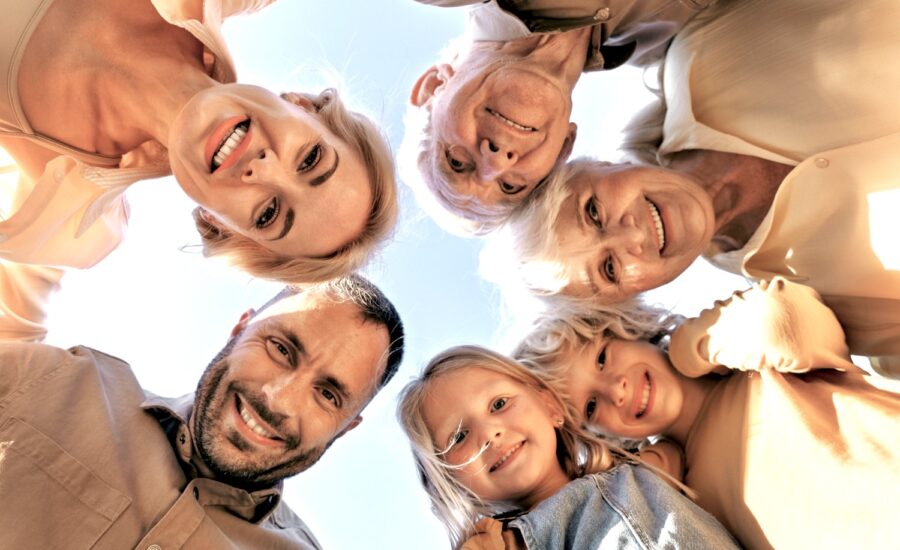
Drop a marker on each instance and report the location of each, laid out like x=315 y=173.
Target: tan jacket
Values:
x=75 y=214
x=88 y=460
x=625 y=31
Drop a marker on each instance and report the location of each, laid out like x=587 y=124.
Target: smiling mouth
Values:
x=510 y=122
x=645 y=397
x=502 y=460
x=657 y=224
x=229 y=144
x=252 y=423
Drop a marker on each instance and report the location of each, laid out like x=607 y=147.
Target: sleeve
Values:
x=24 y=295
x=779 y=325
x=490 y=535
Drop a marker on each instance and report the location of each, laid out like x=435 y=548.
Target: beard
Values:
x=228 y=456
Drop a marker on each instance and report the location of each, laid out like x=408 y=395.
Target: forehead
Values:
x=451 y=395
x=334 y=334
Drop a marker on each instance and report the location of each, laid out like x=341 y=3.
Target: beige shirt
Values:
x=789 y=460
x=88 y=460
x=809 y=92
x=75 y=214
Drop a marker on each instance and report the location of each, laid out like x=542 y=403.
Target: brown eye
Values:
x=609 y=269
x=590 y=408
x=268 y=215
x=498 y=404
x=311 y=159
x=601 y=358
x=592 y=211
x=509 y=188
x=455 y=163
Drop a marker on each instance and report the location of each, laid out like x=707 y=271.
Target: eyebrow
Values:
x=322 y=178
x=288 y=224
x=339 y=386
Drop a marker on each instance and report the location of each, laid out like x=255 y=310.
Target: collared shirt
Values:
x=89 y=460
x=832 y=224
x=624 y=31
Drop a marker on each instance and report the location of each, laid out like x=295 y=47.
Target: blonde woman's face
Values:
x=626 y=229
x=623 y=388
x=471 y=409
x=270 y=170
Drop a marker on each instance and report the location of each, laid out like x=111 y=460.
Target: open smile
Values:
x=510 y=122
x=657 y=225
x=254 y=428
x=503 y=460
x=646 y=392
x=226 y=144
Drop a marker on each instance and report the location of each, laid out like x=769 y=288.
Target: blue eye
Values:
x=593 y=212
x=601 y=358
x=458 y=438
x=609 y=270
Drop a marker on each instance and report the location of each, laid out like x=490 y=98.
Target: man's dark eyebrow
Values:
x=322 y=178
x=288 y=224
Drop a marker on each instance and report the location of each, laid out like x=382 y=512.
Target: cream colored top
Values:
x=75 y=214
x=790 y=460
x=810 y=90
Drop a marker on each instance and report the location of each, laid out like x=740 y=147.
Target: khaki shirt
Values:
x=625 y=31
x=89 y=460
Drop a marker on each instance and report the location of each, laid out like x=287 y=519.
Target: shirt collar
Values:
x=173 y=415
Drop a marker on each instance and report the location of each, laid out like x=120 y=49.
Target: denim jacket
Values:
x=627 y=507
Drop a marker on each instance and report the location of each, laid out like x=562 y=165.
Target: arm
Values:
x=779 y=325
x=24 y=295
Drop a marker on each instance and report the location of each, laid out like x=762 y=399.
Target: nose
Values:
x=263 y=167
x=496 y=158
x=627 y=236
x=282 y=396
x=617 y=391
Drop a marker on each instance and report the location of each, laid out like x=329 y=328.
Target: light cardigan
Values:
x=74 y=215
x=806 y=83
x=791 y=453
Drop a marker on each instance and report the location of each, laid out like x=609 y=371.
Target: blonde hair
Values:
x=455 y=505
x=362 y=135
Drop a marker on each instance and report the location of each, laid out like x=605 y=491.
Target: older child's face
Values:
x=474 y=408
x=623 y=388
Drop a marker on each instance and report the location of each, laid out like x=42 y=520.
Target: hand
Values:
x=489 y=535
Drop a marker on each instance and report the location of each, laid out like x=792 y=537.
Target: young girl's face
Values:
x=471 y=408
x=623 y=388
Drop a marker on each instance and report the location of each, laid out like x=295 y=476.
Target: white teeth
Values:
x=254 y=425
x=229 y=145
x=512 y=123
x=645 y=398
x=657 y=221
x=505 y=457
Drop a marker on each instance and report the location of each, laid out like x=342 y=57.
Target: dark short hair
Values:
x=373 y=307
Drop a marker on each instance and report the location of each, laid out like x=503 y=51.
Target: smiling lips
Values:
x=227 y=142
x=510 y=122
x=644 y=404
x=254 y=424
x=657 y=224
x=509 y=454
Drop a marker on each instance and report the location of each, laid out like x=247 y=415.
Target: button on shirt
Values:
x=91 y=461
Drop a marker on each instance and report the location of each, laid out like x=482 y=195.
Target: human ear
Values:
x=353 y=423
x=209 y=226
x=568 y=143
x=429 y=82
x=554 y=407
x=301 y=100
x=242 y=322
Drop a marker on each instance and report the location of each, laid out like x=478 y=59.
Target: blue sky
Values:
x=159 y=305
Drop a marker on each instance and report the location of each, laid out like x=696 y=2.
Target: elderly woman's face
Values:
x=270 y=170
x=626 y=229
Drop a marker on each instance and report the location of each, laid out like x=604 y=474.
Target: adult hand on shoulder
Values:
x=489 y=535
x=779 y=325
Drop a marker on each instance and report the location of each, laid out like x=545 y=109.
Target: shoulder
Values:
x=283 y=518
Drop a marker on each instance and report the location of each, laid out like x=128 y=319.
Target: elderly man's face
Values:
x=293 y=380
x=499 y=127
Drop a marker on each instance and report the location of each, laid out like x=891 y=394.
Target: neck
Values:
x=741 y=188
x=695 y=392
x=553 y=483
x=561 y=55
